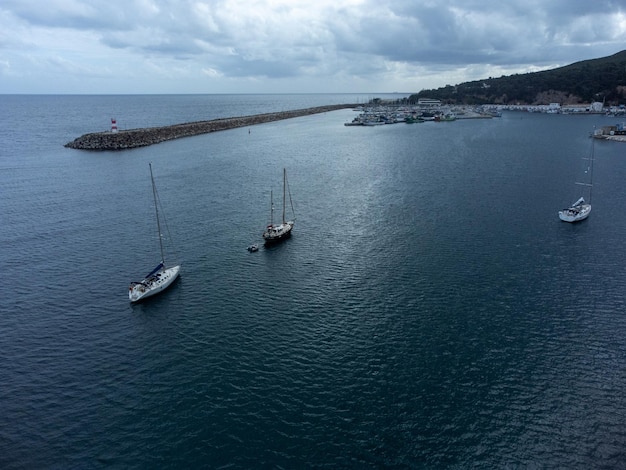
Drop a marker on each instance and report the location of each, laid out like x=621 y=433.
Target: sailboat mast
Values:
x=593 y=143
x=271 y=208
x=156 y=209
x=284 y=186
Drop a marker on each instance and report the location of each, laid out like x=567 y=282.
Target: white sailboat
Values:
x=277 y=232
x=581 y=209
x=161 y=277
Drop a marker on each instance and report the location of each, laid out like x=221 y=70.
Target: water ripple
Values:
x=411 y=320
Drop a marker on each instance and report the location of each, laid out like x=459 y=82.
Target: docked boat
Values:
x=581 y=209
x=274 y=233
x=413 y=119
x=448 y=117
x=161 y=277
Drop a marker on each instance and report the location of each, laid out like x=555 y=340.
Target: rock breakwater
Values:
x=133 y=138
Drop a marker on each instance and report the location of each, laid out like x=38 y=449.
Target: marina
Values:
x=384 y=114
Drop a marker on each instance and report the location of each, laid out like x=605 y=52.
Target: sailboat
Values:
x=161 y=277
x=277 y=232
x=581 y=209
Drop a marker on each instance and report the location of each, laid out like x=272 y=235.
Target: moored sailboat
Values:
x=581 y=209
x=161 y=277
x=277 y=232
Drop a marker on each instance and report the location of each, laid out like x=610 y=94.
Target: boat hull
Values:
x=149 y=287
x=575 y=214
x=276 y=234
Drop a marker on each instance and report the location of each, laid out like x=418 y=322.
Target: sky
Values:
x=292 y=46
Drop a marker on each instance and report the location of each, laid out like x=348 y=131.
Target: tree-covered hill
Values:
x=602 y=79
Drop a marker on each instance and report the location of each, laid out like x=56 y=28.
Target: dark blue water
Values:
x=430 y=310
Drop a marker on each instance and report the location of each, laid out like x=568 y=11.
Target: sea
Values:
x=430 y=310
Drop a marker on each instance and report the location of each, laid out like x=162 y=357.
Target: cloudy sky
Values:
x=293 y=46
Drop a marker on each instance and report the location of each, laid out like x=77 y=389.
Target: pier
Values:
x=133 y=138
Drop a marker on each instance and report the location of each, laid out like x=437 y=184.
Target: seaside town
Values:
x=378 y=113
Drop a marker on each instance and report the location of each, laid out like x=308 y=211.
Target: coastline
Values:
x=134 y=138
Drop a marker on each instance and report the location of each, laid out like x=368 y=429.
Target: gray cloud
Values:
x=319 y=46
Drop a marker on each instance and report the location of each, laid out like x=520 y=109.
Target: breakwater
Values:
x=133 y=138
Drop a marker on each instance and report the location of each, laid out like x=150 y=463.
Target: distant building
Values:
x=428 y=102
x=596 y=107
x=554 y=108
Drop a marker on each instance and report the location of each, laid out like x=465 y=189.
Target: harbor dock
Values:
x=133 y=138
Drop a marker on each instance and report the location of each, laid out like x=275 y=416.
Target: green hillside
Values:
x=602 y=79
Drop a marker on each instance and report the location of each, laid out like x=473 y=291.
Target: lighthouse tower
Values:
x=113 y=125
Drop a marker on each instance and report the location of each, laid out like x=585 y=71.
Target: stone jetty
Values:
x=133 y=138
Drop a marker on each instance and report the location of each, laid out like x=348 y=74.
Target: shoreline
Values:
x=143 y=137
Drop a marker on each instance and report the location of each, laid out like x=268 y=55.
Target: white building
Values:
x=428 y=102
x=596 y=107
